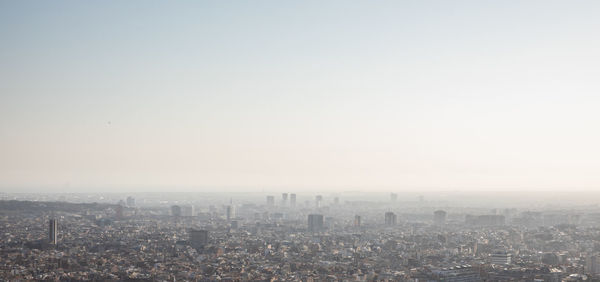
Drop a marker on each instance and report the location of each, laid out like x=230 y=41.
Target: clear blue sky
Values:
x=375 y=94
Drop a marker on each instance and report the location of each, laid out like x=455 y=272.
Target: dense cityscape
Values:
x=290 y=237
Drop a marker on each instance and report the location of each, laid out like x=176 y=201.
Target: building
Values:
x=176 y=210
x=357 y=220
x=315 y=222
x=230 y=211
x=130 y=201
x=393 y=197
x=187 y=210
x=293 y=200
x=318 y=201
x=271 y=200
x=390 y=218
x=592 y=264
x=53 y=231
x=198 y=238
x=500 y=258
x=284 y=198
x=439 y=217
x=485 y=220
x=336 y=201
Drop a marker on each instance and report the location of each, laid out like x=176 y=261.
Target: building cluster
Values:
x=322 y=240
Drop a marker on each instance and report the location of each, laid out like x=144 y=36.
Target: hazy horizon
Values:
x=343 y=95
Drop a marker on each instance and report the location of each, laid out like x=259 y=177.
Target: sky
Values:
x=372 y=95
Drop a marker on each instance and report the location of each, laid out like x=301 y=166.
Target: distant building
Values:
x=198 y=238
x=119 y=211
x=318 y=201
x=390 y=218
x=439 y=217
x=315 y=222
x=485 y=220
x=336 y=201
x=293 y=200
x=176 y=210
x=500 y=258
x=130 y=201
x=187 y=210
x=592 y=264
x=284 y=197
x=393 y=197
x=357 y=220
x=230 y=212
x=271 y=200
x=53 y=231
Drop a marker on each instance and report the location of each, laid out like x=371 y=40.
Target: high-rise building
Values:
x=592 y=264
x=293 y=200
x=187 y=210
x=315 y=222
x=393 y=197
x=336 y=201
x=176 y=210
x=284 y=197
x=230 y=212
x=439 y=217
x=500 y=258
x=390 y=218
x=271 y=200
x=198 y=238
x=318 y=200
x=53 y=231
x=130 y=201
x=357 y=220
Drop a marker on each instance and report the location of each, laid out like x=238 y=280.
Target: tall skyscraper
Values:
x=230 y=212
x=318 y=200
x=53 y=231
x=390 y=218
x=293 y=200
x=315 y=222
x=130 y=201
x=176 y=210
x=284 y=197
x=357 y=220
x=271 y=200
x=198 y=238
x=439 y=217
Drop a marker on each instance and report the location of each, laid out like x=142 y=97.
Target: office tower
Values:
x=318 y=200
x=390 y=218
x=284 y=197
x=592 y=264
x=439 y=217
x=500 y=257
x=198 y=238
x=271 y=200
x=393 y=197
x=336 y=201
x=119 y=211
x=130 y=201
x=293 y=200
x=53 y=231
x=315 y=222
x=176 y=210
x=357 y=220
x=230 y=212
x=187 y=210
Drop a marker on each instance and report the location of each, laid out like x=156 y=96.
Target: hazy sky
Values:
x=379 y=95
